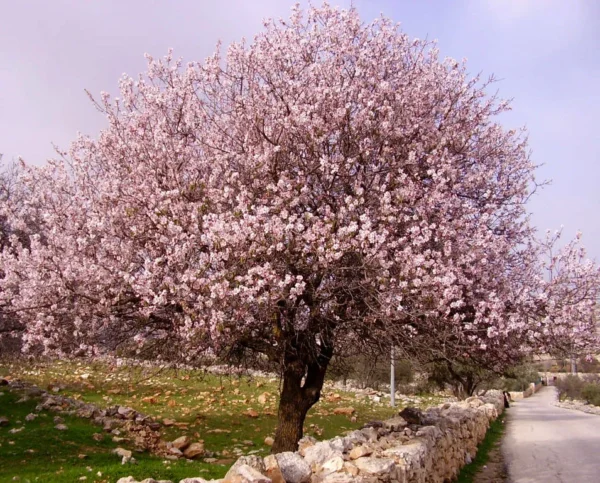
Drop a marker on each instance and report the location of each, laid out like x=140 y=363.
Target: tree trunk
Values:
x=302 y=384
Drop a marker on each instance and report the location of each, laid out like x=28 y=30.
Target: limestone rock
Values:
x=375 y=466
x=30 y=417
x=272 y=469
x=194 y=450
x=61 y=427
x=175 y=451
x=254 y=462
x=332 y=465
x=360 y=451
x=346 y=411
x=181 y=443
x=245 y=474
x=350 y=468
x=127 y=479
x=293 y=468
x=4 y=421
x=305 y=442
x=319 y=453
x=122 y=452
x=340 y=478
x=412 y=415
x=269 y=441
x=395 y=424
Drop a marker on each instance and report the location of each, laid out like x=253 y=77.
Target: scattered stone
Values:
x=181 y=443
x=34 y=392
x=16 y=430
x=127 y=479
x=58 y=420
x=346 y=411
x=61 y=427
x=269 y=441
x=168 y=422
x=293 y=467
x=263 y=398
x=122 y=452
x=412 y=415
x=251 y=413
x=4 y=421
x=30 y=417
x=194 y=450
x=175 y=452
x=125 y=412
x=98 y=436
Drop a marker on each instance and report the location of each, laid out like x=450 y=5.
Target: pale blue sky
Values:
x=545 y=51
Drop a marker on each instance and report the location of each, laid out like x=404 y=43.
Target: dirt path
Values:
x=495 y=470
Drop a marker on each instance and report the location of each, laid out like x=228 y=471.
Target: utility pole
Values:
x=392 y=380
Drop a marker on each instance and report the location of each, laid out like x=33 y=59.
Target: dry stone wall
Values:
x=416 y=447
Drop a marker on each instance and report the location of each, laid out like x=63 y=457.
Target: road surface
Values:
x=548 y=444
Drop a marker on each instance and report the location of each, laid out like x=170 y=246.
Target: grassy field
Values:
x=231 y=415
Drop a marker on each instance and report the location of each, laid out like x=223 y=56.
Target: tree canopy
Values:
x=329 y=187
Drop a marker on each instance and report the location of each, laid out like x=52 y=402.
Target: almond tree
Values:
x=330 y=184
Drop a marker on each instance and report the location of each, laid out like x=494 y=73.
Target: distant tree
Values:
x=331 y=187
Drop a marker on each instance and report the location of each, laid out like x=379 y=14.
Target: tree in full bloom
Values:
x=332 y=186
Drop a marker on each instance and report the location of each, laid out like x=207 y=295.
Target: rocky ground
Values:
x=578 y=406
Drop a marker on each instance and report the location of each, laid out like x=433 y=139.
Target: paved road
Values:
x=548 y=444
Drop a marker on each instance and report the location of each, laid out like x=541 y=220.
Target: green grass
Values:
x=492 y=439
x=42 y=453
x=206 y=408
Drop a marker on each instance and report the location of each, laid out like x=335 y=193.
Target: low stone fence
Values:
x=417 y=447
x=530 y=391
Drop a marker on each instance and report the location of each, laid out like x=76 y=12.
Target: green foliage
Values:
x=570 y=386
x=463 y=379
x=591 y=393
x=518 y=378
x=370 y=370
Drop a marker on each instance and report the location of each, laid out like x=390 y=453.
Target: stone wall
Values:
x=530 y=391
x=416 y=447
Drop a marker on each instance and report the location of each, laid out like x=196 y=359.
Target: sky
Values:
x=545 y=53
